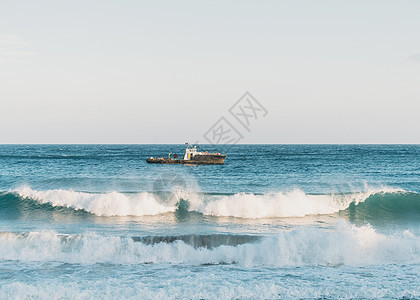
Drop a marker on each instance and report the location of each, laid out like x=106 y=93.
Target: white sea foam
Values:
x=281 y=204
x=346 y=244
x=106 y=204
x=222 y=285
x=291 y=204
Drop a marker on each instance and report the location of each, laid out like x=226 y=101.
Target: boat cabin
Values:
x=191 y=151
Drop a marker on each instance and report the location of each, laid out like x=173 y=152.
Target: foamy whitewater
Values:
x=276 y=221
x=291 y=204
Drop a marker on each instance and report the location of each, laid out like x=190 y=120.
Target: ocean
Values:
x=275 y=221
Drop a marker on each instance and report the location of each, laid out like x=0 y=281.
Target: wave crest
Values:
x=107 y=204
x=384 y=202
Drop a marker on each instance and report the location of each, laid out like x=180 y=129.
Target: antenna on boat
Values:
x=188 y=145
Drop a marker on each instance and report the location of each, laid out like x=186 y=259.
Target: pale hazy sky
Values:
x=166 y=71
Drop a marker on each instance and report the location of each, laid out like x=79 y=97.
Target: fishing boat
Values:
x=191 y=156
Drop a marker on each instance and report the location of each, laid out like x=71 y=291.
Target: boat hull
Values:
x=197 y=160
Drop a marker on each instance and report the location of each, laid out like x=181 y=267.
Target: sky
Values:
x=99 y=71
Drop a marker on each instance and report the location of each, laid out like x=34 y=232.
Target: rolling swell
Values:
x=385 y=207
x=209 y=241
x=14 y=206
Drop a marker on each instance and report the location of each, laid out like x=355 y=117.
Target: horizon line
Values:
x=2 y=144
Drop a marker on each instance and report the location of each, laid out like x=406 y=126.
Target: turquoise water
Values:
x=276 y=221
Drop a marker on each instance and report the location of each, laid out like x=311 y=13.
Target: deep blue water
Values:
x=276 y=221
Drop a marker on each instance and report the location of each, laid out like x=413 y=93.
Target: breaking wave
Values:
x=349 y=245
x=375 y=203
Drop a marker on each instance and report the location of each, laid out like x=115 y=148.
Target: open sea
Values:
x=276 y=221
